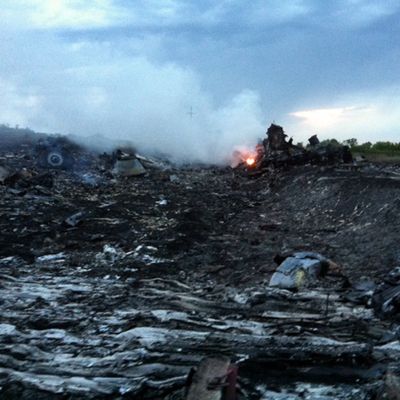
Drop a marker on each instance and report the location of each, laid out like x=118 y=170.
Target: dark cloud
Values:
x=292 y=56
x=304 y=54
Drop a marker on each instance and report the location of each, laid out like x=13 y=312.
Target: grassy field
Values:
x=389 y=157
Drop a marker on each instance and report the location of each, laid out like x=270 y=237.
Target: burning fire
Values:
x=250 y=161
x=245 y=156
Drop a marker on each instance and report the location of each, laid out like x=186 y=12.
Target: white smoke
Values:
x=89 y=89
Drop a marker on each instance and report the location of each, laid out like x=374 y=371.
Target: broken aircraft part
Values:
x=298 y=270
x=128 y=167
x=276 y=151
x=55 y=152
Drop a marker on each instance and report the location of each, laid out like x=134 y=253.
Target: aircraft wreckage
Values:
x=198 y=282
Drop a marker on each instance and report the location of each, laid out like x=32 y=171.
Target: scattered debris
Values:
x=4 y=174
x=298 y=270
x=114 y=288
x=209 y=379
x=386 y=297
x=313 y=140
x=391 y=389
x=277 y=151
x=75 y=219
x=55 y=152
x=24 y=179
x=91 y=179
x=110 y=255
x=127 y=164
x=51 y=258
x=174 y=178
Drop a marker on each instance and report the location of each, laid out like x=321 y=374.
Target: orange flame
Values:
x=250 y=161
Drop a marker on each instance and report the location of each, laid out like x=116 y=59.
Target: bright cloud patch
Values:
x=328 y=117
x=369 y=122
x=61 y=13
x=16 y=105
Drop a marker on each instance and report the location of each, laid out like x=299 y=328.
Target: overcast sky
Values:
x=137 y=68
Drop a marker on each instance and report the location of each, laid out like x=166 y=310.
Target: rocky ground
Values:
x=116 y=287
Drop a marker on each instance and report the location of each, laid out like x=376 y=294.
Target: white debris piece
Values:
x=59 y=257
x=7 y=329
x=110 y=254
x=298 y=270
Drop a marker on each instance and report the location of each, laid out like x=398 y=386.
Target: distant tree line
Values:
x=368 y=147
x=6 y=129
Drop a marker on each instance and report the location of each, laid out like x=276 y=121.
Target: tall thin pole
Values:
x=191 y=113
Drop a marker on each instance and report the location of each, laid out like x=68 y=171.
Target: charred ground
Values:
x=134 y=245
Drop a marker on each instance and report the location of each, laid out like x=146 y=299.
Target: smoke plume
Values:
x=89 y=89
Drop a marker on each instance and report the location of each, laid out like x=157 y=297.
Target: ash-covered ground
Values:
x=114 y=287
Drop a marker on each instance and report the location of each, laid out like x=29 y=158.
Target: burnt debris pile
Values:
x=276 y=151
x=123 y=277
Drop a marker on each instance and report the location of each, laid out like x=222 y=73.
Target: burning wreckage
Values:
x=276 y=151
x=196 y=283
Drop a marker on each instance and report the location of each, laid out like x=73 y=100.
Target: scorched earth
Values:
x=114 y=287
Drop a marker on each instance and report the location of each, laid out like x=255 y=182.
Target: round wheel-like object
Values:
x=55 y=159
